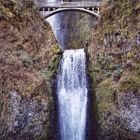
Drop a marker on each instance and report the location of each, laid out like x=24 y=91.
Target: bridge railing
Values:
x=49 y=4
x=67 y=4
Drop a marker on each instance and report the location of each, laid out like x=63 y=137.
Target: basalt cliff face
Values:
x=114 y=54
x=28 y=60
x=76 y=27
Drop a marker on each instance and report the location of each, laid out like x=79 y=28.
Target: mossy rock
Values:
x=129 y=83
x=130 y=55
x=104 y=89
x=45 y=73
x=104 y=93
x=56 y=49
x=25 y=58
x=51 y=70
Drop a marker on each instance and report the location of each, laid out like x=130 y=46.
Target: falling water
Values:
x=56 y=24
x=54 y=20
x=72 y=95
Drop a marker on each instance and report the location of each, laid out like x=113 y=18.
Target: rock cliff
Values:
x=28 y=60
x=114 y=55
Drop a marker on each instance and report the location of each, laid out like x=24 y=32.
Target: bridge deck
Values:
x=67 y=4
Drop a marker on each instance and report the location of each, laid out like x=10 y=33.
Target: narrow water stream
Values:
x=56 y=23
x=72 y=95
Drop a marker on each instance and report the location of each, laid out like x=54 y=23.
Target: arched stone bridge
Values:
x=52 y=8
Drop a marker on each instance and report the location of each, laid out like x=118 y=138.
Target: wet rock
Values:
x=25 y=118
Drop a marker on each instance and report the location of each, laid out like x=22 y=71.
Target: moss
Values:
x=129 y=83
x=53 y=63
x=53 y=66
x=56 y=49
x=104 y=90
x=15 y=12
x=104 y=93
x=25 y=58
x=45 y=73
x=120 y=16
x=130 y=55
x=104 y=106
x=50 y=71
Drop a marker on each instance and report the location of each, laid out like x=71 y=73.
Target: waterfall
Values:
x=56 y=24
x=54 y=20
x=72 y=95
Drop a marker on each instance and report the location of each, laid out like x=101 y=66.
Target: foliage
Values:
x=25 y=58
x=114 y=64
x=130 y=55
x=104 y=90
x=26 y=49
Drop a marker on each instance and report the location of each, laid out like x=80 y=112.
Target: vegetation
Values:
x=29 y=57
x=104 y=93
x=129 y=83
x=114 y=46
x=115 y=66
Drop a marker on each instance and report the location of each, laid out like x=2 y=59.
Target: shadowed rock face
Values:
x=77 y=28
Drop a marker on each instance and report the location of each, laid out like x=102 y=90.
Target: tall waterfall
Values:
x=72 y=95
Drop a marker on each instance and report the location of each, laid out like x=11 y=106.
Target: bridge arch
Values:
x=92 y=13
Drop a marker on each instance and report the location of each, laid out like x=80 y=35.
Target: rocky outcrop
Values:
x=115 y=69
x=118 y=107
x=29 y=57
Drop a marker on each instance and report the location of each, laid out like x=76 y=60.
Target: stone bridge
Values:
x=52 y=8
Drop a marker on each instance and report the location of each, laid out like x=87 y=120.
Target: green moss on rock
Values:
x=104 y=93
x=129 y=83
